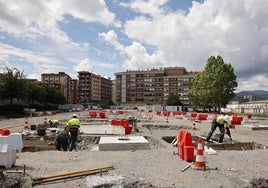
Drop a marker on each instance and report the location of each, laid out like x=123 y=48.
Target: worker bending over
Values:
x=220 y=121
x=53 y=123
x=74 y=125
x=62 y=140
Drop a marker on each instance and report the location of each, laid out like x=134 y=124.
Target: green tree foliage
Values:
x=214 y=86
x=173 y=100
x=53 y=96
x=12 y=84
x=34 y=92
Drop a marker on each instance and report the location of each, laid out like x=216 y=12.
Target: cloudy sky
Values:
x=109 y=36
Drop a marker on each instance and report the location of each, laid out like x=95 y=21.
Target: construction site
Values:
x=134 y=148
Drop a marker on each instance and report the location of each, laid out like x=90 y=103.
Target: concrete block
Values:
x=115 y=143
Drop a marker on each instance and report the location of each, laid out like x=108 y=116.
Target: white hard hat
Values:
x=74 y=115
x=227 y=118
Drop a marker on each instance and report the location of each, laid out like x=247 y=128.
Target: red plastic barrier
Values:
x=236 y=120
x=193 y=115
x=185 y=146
x=116 y=122
x=102 y=115
x=124 y=122
x=184 y=113
x=4 y=132
x=176 y=113
x=92 y=114
x=202 y=117
x=158 y=113
x=128 y=129
x=166 y=113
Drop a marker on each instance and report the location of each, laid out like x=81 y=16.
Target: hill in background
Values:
x=261 y=94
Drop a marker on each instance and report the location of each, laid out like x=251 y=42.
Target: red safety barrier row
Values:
x=193 y=115
x=166 y=113
x=202 y=117
x=236 y=120
x=158 y=113
x=94 y=114
x=124 y=123
x=4 y=132
x=185 y=146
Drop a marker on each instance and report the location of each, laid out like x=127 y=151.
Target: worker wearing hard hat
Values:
x=220 y=121
x=74 y=125
x=53 y=122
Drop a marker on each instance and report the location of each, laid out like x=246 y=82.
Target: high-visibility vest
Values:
x=74 y=121
x=221 y=121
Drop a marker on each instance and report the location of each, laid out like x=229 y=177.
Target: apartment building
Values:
x=93 y=89
x=74 y=91
x=60 y=81
x=153 y=86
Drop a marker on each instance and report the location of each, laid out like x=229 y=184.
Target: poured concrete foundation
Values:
x=117 y=143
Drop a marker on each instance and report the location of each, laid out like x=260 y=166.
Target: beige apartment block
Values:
x=93 y=89
x=60 y=81
x=153 y=86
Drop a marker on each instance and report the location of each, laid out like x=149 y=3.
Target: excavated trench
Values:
x=236 y=145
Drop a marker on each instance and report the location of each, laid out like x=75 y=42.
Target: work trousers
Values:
x=214 y=125
x=74 y=133
x=62 y=142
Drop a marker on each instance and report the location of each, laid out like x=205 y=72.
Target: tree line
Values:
x=211 y=89
x=14 y=85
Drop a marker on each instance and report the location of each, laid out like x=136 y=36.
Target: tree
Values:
x=214 y=86
x=12 y=84
x=34 y=92
x=173 y=100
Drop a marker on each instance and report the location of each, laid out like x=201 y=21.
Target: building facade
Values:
x=153 y=86
x=74 y=91
x=93 y=89
x=60 y=81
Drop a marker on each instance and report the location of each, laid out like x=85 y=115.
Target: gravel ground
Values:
x=158 y=167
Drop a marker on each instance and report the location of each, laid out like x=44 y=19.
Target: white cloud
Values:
x=111 y=38
x=154 y=8
x=138 y=58
x=84 y=65
x=88 y=64
x=3 y=65
x=156 y=36
x=236 y=30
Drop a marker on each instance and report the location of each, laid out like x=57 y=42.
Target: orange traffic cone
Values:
x=193 y=127
x=45 y=120
x=199 y=163
x=26 y=123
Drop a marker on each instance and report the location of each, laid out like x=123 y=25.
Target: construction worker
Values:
x=62 y=140
x=220 y=121
x=53 y=122
x=74 y=125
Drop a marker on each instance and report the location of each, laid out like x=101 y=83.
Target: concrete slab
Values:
x=119 y=143
x=102 y=129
